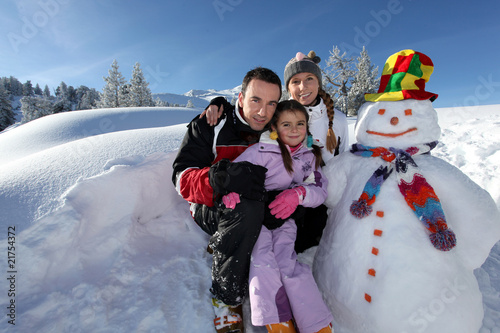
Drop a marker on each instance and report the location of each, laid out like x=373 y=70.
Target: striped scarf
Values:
x=418 y=193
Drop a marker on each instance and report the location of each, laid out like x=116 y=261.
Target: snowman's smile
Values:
x=392 y=135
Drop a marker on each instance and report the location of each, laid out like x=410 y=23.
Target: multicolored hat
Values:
x=404 y=76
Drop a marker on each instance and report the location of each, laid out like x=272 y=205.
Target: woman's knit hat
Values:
x=303 y=63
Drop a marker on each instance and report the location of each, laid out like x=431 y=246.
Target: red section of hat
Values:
x=402 y=64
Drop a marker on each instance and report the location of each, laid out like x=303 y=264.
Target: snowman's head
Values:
x=397 y=124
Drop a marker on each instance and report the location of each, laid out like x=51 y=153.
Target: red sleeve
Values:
x=194 y=186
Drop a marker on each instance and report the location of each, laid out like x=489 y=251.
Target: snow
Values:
x=104 y=244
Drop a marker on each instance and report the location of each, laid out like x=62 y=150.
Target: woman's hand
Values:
x=213 y=114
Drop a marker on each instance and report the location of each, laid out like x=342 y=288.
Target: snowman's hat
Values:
x=404 y=77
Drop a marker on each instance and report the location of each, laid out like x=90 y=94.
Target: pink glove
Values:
x=231 y=199
x=287 y=201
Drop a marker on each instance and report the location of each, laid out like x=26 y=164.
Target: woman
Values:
x=303 y=81
x=329 y=126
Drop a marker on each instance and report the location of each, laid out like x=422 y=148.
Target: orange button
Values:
x=375 y=251
x=368 y=298
x=371 y=271
x=377 y=232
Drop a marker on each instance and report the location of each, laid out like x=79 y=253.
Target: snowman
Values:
x=405 y=229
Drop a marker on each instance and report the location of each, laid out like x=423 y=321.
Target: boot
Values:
x=228 y=319
x=281 y=327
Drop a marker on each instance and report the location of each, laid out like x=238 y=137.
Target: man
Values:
x=203 y=173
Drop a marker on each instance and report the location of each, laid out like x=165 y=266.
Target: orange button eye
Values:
x=381 y=111
x=408 y=112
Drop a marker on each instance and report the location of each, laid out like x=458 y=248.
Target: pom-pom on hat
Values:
x=302 y=63
x=404 y=76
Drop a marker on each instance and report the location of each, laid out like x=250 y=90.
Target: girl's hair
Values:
x=293 y=106
x=331 y=138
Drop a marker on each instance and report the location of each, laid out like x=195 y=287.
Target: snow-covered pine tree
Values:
x=124 y=96
x=139 y=92
x=38 y=90
x=63 y=102
x=87 y=98
x=35 y=107
x=110 y=96
x=15 y=86
x=28 y=89
x=190 y=104
x=7 y=117
x=365 y=80
x=337 y=77
x=159 y=102
x=46 y=92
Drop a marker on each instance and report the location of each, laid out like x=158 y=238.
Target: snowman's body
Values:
x=381 y=273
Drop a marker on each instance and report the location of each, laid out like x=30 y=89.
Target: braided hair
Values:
x=331 y=138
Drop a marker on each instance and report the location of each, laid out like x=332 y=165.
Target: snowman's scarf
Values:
x=419 y=194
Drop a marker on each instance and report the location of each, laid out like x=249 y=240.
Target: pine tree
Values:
x=63 y=102
x=38 y=91
x=347 y=81
x=35 y=107
x=159 y=102
x=111 y=93
x=366 y=80
x=16 y=87
x=28 y=89
x=88 y=100
x=124 y=96
x=46 y=92
x=140 y=94
x=7 y=117
x=339 y=73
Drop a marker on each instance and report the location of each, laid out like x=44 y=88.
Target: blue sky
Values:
x=184 y=45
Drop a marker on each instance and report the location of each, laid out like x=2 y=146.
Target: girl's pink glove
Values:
x=287 y=201
x=231 y=199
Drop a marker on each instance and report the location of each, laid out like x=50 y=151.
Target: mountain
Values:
x=199 y=98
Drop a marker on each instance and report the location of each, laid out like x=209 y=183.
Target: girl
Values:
x=281 y=288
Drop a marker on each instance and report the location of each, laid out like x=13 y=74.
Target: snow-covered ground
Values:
x=104 y=244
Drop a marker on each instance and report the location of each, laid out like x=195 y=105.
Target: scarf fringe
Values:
x=443 y=240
